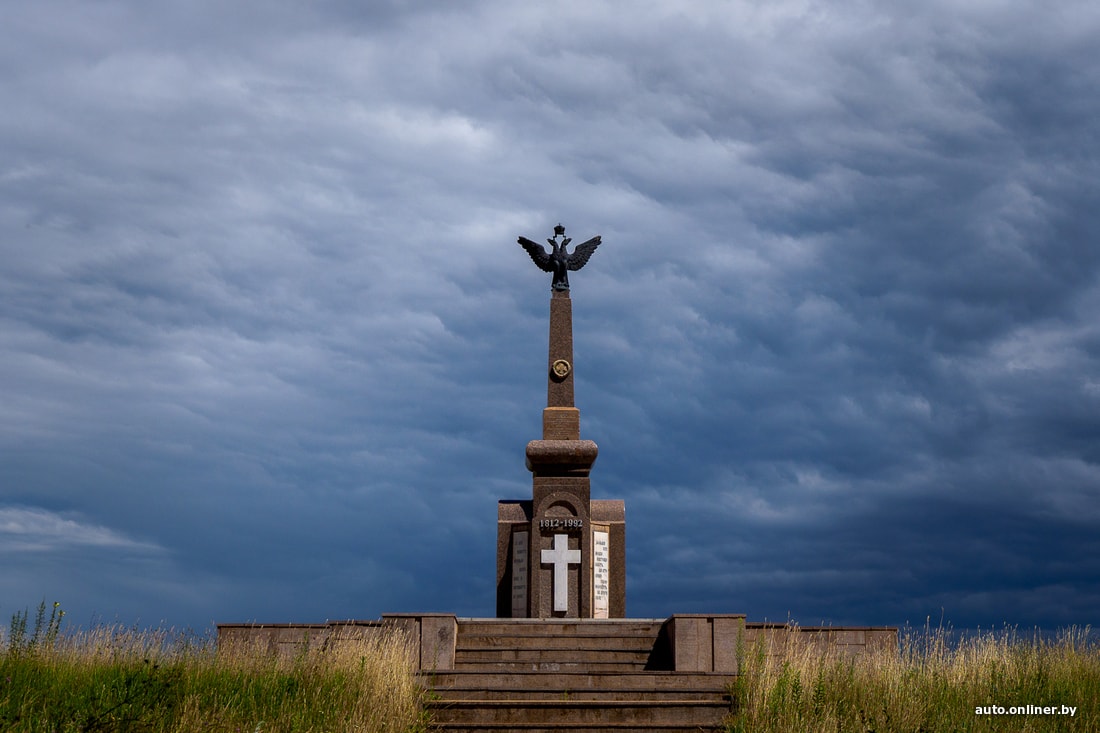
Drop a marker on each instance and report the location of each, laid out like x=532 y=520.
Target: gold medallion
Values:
x=560 y=369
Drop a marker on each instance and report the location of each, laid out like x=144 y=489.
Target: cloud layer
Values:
x=271 y=352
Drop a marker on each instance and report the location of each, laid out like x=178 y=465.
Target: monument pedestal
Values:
x=594 y=582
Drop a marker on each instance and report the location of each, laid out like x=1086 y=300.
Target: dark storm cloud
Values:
x=271 y=351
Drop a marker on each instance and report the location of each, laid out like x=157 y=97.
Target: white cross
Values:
x=561 y=557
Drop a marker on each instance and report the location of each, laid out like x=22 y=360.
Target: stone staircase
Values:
x=529 y=675
x=572 y=675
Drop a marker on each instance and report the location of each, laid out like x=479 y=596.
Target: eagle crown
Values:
x=559 y=231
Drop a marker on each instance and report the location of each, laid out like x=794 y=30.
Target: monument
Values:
x=561 y=554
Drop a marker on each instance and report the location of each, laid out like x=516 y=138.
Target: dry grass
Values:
x=112 y=679
x=931 y=683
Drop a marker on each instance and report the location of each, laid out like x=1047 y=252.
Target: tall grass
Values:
x=932 y=682
x=115 y=679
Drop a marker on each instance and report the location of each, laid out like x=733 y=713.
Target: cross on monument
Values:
x=561 y=557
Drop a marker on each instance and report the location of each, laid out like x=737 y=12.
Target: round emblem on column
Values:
x=560 y=369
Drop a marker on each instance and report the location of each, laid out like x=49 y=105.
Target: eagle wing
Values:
x=538 y=253
x=581 y=254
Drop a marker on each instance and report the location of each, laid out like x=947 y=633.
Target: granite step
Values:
x=551 y=666
x=551 y=628
x=637 y=701
x=524 y=714
x=622 y=696
x=480 y=641
x=582 y=728
x=576 y=681
x=512 y=654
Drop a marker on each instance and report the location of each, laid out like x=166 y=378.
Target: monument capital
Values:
x=561 y=457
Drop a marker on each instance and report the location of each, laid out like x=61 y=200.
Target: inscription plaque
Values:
x=601 y=573
x=519 y=575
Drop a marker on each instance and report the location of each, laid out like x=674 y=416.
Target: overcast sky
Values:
x=269 y=350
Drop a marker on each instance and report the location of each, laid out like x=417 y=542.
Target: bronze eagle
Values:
x=558 y=260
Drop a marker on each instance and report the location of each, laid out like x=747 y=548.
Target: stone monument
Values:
x=561 y=601
x=560 y=554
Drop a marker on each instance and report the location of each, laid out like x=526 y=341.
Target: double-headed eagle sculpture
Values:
x=559 y=261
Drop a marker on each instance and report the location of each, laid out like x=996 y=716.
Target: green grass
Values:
x=931 y=683
x=113 y=679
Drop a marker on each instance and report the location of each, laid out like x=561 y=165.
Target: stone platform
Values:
x=492 y=674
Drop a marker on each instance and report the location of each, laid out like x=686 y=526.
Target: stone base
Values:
x=525 y=589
